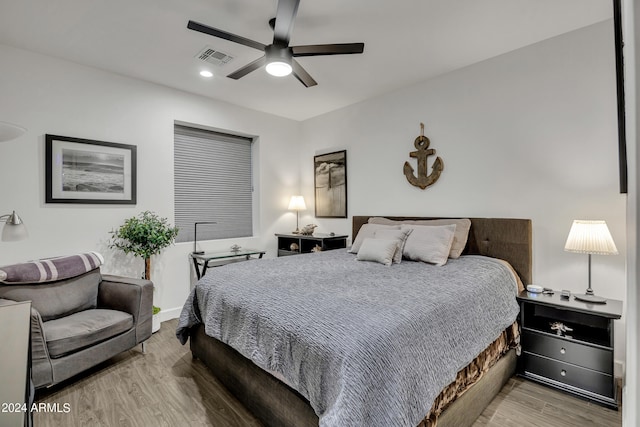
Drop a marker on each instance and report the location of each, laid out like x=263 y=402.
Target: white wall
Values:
x=631 y=390
x=529 y=134
x=48 y=95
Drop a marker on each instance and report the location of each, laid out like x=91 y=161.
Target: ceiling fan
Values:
x=279 y=56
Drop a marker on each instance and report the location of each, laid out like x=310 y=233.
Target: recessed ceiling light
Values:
x=205 y=73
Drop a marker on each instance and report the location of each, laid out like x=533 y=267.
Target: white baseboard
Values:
x=170 y=313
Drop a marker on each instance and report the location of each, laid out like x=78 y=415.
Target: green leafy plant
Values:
x=144 y=236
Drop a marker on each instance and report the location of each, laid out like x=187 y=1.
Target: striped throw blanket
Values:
x=50 y=269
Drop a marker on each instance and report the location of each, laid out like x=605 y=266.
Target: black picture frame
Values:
x=87 y=171
x=330 y=184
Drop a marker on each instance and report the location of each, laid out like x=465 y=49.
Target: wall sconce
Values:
x=195 y=235
x=590 y=237
x=297 y=204
x=9 y=131
x=14 y=229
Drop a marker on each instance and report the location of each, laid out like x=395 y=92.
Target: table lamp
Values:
x=297 y=204
x=14 y=229
x=195 y=236
x=590 y=237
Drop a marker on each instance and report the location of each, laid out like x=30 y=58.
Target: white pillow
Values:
x=378 y=250
x=400 y=236
x=367 y=231
x=429 y=243
x=459 y=238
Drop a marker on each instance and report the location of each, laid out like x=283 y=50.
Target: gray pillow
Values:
x=367 y=231
x=459 y=239
x=378 y=250
x=400 y=236
x=429 y=243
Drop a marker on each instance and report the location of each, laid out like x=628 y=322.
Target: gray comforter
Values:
x=366 y=344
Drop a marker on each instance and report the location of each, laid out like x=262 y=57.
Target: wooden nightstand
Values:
x=578 y=361
x=306 y=243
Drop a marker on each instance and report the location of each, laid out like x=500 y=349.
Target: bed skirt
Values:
x=276 y=404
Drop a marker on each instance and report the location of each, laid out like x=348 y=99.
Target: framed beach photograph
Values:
x=330 y=180
x=87 y=171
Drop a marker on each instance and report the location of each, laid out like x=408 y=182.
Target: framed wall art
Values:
x=87 y=171
x=330 y=181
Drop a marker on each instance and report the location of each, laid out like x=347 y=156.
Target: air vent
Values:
x=215 y=57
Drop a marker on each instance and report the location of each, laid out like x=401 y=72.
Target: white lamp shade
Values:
x=297 y=203
x=590 y=237
x=9 y=131
x=14 y=229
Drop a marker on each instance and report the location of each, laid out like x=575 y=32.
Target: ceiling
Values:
x=406 y=41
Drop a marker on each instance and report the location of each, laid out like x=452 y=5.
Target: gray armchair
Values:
x=81 y=321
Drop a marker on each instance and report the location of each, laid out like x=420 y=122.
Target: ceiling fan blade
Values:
x=285 y=15
x=302 y=75
x=248 y=68
x=196 y=26
x=328 y=49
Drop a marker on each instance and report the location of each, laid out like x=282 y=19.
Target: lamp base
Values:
x=593 y=299
x=197 y=253
x=296 y=232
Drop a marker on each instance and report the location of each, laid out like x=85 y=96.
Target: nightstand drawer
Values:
x=565 y=351
x=585 y=379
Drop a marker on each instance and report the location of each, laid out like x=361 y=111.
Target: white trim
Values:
x=171 y=313
x=631 y=20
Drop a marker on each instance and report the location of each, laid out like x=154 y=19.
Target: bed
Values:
x=291 y=397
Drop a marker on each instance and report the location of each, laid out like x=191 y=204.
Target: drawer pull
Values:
x=563 y=350
x=563 y=373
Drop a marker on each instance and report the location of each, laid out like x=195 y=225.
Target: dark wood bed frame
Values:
x=278 y=405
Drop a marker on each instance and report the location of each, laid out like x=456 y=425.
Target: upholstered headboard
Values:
x=509 y=239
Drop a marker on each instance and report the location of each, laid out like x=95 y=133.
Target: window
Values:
x=213 y=182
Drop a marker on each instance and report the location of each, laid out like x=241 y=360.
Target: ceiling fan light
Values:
x=278 y=68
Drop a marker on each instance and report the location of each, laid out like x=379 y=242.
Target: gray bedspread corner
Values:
x=366 y=344
x=189 y=316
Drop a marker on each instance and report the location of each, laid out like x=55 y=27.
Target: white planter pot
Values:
x=155 y=323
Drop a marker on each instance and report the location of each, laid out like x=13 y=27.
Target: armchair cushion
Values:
x=57 y=299
x=83 y=329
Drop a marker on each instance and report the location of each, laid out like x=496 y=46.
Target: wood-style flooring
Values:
x=166 y=387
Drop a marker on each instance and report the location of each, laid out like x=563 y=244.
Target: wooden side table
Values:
x=568 y=344
x=295 y=244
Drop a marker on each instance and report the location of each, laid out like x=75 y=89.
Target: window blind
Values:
x=213 y=182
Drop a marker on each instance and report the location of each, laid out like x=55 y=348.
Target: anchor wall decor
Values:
x=423 y=180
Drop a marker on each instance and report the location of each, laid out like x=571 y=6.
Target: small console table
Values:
x=201 y=261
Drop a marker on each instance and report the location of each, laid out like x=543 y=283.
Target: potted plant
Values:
x=144 y=236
